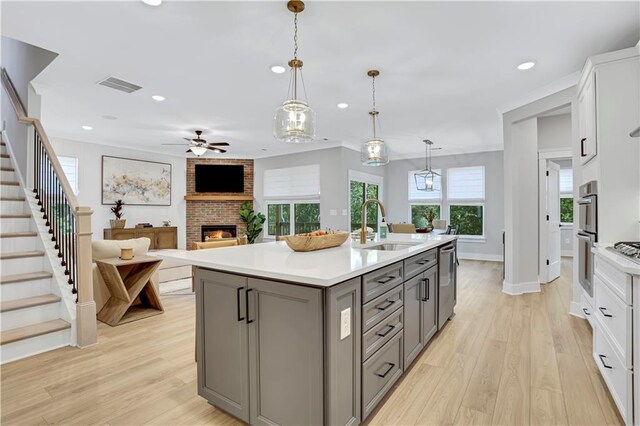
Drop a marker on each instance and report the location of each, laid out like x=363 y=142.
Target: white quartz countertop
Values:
x=622 y=264
x=321 y=268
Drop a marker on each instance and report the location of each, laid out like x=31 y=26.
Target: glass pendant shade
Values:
x=374 y=153
x=294 y=122
x=198 y=150
x=426 y=181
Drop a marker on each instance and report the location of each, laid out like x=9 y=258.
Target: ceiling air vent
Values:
x=121 y=85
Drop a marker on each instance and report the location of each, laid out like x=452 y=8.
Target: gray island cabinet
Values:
x=288 y=353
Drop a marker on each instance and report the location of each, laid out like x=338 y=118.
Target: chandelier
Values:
x=426 y=179
x=374 y=151
x=294 y=121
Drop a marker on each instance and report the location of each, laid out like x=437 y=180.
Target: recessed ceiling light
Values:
x=526 y=65
x=278 y=69
x=157 y=98
x=152 y=2
x=87 y=127
x=343 y=105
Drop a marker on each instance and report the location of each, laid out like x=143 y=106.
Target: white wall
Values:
x=89 y=157
x=554 y=132
x=398 y=204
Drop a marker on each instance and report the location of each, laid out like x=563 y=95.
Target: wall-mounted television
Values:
x=219 y=178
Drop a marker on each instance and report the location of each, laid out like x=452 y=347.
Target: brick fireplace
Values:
x=222 y=208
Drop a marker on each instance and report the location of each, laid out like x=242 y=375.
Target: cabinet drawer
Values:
x=619 y=380
x=587 y=308
x=618 y=281
x=380 y=308
x=375 y=338
x=377 y=282
x=616 y=319
x=420 y=263
x=379 y=374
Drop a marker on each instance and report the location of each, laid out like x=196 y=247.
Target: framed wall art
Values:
x=136 y=182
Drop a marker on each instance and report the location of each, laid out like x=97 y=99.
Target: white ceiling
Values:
x=445 y=67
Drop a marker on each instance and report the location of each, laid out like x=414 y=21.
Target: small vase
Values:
x=117 y=223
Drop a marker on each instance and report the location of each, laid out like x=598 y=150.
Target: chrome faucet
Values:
x=363 y=228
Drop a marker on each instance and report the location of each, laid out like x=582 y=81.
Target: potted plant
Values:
x=253 y=222
x=430 y=215
x=118 y=222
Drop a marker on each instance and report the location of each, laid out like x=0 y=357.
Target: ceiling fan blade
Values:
x=219 y=144
x=174 y=144
x=189 y=150
x=218 y=150
x=187 y=139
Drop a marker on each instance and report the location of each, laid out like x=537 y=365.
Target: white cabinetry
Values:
x=587 y=114
x=616 y=347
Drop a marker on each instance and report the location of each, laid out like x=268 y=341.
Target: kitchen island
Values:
x=317 y=337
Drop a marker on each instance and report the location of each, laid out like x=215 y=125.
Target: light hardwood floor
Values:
x=503 y=360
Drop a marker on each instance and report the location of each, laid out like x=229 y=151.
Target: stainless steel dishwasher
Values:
x=446 y=283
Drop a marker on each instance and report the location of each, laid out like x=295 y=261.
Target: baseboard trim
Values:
x=516 y=289
x=575 y=309
x=480 y=256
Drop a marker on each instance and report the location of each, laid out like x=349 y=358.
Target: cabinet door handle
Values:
x=386 y=333
x=423 y=293
x=428 y=289
x=383 y=375
x=238 y=290
x=246 y=301
x=604 y=364
x=422 y=262
x=386 y=279
x=603 y=310
x=582 y=153
x=587 y=313
x=389 y=303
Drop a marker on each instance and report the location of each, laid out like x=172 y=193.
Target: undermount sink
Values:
x=388 y=247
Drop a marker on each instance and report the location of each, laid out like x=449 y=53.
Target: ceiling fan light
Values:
x=294 y=122
x=374 y=153
x=198 y=150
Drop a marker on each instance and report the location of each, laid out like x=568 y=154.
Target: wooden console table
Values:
x=162 y=237
x=128 y=281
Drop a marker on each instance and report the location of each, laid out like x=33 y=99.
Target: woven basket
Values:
x=304 y=243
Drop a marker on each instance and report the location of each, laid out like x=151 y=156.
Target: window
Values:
x=360 y=192
x=419 y=214
x=292 y=193
x=566 y=196
x=415 y=195
x=465 y=193
x=70 y=169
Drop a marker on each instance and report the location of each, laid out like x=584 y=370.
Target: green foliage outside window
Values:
x=469 y=218
x=566 y=210
x=359 y=193
x=279 y=219
x=307 y=217
x=419 y=214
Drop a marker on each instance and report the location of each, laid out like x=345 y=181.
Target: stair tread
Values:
x=15 y=216
x=19 y=234
x=7 y=169
x=13 y=199
x=9 y=182
x=4 y=155
x=34 y=330
x=29 y=276
x=21 y=254
x=28 y=302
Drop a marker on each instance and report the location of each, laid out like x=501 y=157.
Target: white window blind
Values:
x=70 y=168
x=566 y=181
x=416 y=195
x=465 y=183
x=292 y=182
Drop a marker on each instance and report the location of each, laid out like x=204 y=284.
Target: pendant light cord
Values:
x=295 y=35
x=373 y=111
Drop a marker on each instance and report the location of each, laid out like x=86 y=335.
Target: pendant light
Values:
x=374 y=151
x=426 y=179
x=294 y=121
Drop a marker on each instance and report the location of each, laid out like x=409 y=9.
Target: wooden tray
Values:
x=304 y=243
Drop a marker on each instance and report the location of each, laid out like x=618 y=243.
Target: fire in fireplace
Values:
x=218 y=231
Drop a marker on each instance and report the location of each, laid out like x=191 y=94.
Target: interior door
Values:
x=553 y=221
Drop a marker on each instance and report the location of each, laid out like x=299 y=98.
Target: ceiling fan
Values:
x=199 y=146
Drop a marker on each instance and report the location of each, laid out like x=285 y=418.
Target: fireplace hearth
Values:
x=212 y=232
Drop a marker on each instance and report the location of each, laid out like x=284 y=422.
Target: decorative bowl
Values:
x=312 y=243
